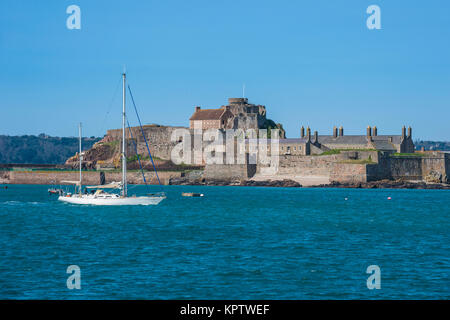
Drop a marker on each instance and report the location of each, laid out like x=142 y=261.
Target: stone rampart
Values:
x=158 y=138
x=89 y=177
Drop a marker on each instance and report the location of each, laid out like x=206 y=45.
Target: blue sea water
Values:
x=234 y=243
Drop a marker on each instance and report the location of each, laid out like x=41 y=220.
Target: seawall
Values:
x=89 y=177
x=344 y=167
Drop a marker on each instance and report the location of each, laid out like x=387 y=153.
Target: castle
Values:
x=238 y=114
x=327 y=158
x=309 y=159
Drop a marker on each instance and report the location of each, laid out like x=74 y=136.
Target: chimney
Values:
x=308 y=134
x=302 y=132
x=335 y=132
x=316 y=137
x=369 y=131
x=403 y=132
x=375 y=131
x=341 y=131
x=197 y=108
x=409 y=132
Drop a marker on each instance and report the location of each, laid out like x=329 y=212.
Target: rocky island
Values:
x=370 y=160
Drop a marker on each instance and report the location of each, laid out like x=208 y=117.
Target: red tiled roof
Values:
x=208 y=114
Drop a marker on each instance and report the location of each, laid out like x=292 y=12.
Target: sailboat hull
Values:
x=114 y=201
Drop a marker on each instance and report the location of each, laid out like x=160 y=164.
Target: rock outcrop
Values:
x=435 y=177
x=106 y=151
x=186 y=180
x=387 y=184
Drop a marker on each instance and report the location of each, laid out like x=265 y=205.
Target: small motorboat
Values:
x=52 y=191
x=191 y=194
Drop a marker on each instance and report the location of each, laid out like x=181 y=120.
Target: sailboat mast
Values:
x=79 y=155
x=124 y=156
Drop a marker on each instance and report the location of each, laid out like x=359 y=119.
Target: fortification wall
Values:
x=89 y=177
x=438 y=162
x=408 y=168
x=158 y=138
x=330 y=167
x=306 y=165
x=447 y=166
x=349 y=172
x=379 y=170
x=231 y=172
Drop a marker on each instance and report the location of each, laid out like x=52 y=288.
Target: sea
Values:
x=232 y=243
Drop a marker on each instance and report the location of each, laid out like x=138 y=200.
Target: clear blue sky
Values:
x=310 y=62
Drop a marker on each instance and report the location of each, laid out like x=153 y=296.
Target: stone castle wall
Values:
x=307 y=165
x=407 y=168
x=349 y=173
x=89 y=177
x=346 y=167
x=231 y=172
x=410 y=167
x=438 y=162
x=158 y=138
x=447 y=164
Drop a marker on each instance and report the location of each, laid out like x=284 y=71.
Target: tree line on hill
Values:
x=41 y=149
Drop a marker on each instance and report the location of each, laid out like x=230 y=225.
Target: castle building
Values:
x=211 y=119
x=317 y=144
x=238 y=114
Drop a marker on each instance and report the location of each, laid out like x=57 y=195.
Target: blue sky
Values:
x=310 y=62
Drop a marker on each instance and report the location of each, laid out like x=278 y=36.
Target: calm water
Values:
x=235 y=243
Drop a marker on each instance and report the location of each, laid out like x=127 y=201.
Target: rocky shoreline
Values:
x=243 y=183
x=387 y=184
x=287 y=183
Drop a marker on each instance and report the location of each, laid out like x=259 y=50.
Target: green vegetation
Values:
x=142 y=158
x=135 y=158
x=329 y=152
x=364 y=161
x=41 y=149
x=338 y=151
x=269 y=125
x=358 y=149
x=397 y=154
x=112 y=144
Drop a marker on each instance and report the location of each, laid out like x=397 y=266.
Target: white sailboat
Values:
x=102 y=198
